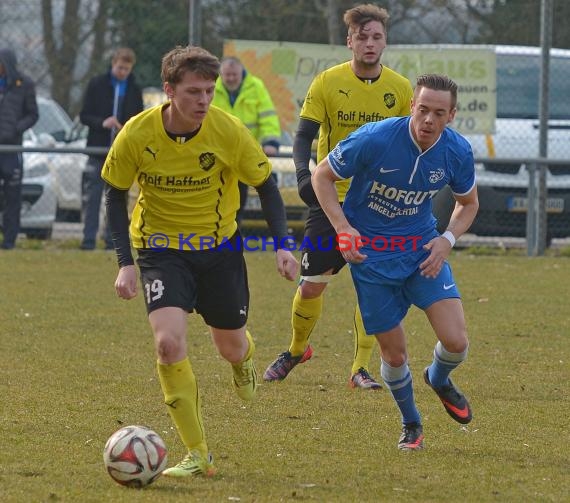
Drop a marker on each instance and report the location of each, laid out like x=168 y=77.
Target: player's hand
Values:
x=287 y=264
x=349 y=242
x=439 y=249
x=126 y=282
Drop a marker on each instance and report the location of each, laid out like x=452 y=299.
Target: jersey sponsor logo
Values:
x=359 y=117
x=390 y=212
x=389 y=100
x=448 y=287
x=346 y=93
x=207 y=160
x=151 y=151
x=408 y=197
x=168 y=182
x=436 y=175
x=384 y=170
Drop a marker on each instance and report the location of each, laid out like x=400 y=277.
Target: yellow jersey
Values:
x=340 y=102
x=188 y=191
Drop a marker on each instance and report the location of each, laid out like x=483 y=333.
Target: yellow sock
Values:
x=182 y=397
x=363 y=344
x=304 y=316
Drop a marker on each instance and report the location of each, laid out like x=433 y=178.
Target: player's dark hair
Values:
x=438 y=83
x=180 y=60
x=358 y=16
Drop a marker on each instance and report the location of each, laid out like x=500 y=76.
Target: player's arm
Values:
x=465 y=211
x=302 y=148
x=118 y=218
x=323 y=180
x=276 y=218
x=118 y=221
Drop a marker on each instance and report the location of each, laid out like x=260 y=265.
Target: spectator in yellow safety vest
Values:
x=246 y=97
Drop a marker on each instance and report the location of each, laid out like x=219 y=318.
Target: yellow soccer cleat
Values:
x=193 y=464
x=244 y=379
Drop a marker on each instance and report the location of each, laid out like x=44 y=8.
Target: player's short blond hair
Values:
x=180 y=60
x=358 y=16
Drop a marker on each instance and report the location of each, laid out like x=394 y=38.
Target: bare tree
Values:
x=329 y=10
x=65 y=39
x=61 y=57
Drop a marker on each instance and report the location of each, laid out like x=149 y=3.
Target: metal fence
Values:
x=52 y=197
x=509 y=152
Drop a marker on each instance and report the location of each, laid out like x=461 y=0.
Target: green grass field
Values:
x=77 y=363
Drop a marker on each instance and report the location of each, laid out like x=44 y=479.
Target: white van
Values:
x=503 y=186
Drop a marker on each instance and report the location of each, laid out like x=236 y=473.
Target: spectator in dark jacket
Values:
x=18 y=112
x=110 y=100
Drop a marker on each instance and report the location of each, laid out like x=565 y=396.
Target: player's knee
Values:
x=394 y=358
x=458 y=344
x=310 y=290
x=169 y=349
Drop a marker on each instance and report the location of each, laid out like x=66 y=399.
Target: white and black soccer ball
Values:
x=135 y=456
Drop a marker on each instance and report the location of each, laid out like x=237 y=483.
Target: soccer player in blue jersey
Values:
x=387 y=233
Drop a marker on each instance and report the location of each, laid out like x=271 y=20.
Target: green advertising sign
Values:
x=288 y=68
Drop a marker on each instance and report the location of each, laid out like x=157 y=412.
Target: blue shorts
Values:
x=386 y=289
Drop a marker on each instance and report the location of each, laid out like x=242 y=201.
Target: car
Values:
x=51 y=184
x=39 y=200
x=55 y=129
x=502 y=185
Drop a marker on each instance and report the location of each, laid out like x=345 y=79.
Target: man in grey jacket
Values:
x=18 y=112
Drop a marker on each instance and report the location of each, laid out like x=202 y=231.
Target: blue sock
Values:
x=399 y=382
x=443 y=363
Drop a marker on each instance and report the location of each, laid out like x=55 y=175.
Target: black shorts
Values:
x=211 y=282
x=319 y=252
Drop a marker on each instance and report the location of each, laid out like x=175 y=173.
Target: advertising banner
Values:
x=287 y=68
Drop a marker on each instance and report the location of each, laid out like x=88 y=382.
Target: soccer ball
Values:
x=135 y=456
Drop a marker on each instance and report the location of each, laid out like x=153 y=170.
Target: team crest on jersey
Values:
x=389 y=100
x=436 y=176
x=207 y=161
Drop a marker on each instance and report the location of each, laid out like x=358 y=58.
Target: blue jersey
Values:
x=393 y=183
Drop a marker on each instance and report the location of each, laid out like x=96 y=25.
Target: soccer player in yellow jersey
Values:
x=339 y=100
x=187 y=158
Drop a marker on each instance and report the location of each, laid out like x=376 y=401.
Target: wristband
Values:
x=450 y=237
